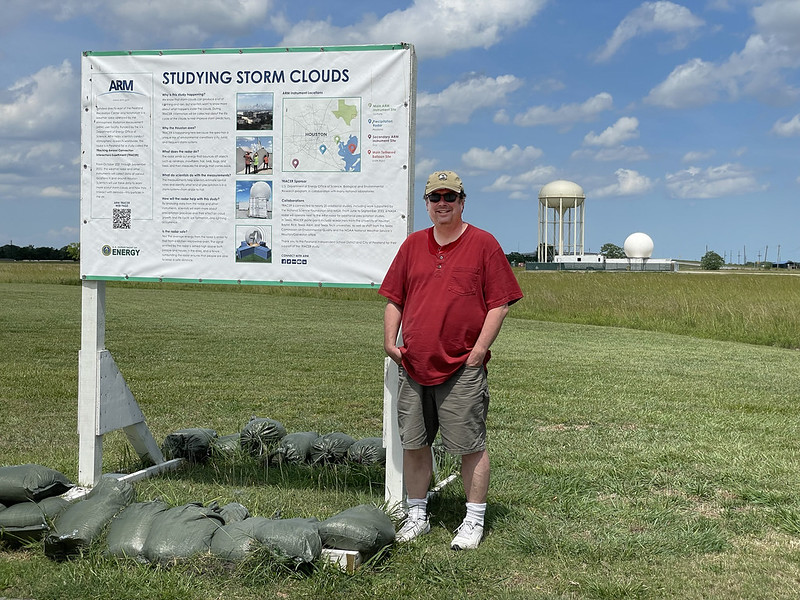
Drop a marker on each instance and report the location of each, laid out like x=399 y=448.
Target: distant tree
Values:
x=610 y=250
x=516 y=258
x=711 y=261
x=73 y=250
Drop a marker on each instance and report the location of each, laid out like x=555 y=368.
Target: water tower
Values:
x=561 y=219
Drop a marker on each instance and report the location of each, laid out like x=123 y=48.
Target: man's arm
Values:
x=392 y=317
x=491 y=327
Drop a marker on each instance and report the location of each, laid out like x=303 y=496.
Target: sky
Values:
x=680 y=120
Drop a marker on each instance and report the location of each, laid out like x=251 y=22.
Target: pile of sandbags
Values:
x=29 y=501
x=268 y=439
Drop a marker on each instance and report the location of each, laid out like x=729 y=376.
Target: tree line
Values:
x=14 y=252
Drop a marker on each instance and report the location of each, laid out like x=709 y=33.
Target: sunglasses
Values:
x=439 y=196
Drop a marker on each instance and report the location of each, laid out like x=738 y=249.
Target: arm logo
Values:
x=121 y=85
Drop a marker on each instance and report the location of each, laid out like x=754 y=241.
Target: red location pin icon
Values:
x=352 y=148
x=295 y=162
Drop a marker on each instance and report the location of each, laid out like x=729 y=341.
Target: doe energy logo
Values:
x=119 y=251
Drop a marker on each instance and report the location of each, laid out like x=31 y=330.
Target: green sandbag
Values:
x=368 y=451
x=192 y=444
x=226 y=446
x=181 y=532
x=21 y=483
x=128 y=530
x=294 y=447
x=82 y=522
x=364 y=528
x=29 y=521
x=233 y=512
x=288 y=541
x=261 y=435
x=330 y=448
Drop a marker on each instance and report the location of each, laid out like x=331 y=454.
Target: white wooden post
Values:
x=394 y=488
x=104 y=401
x=93 y=333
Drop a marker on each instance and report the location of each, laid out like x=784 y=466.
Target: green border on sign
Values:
x=400 y=46
x=319 y=284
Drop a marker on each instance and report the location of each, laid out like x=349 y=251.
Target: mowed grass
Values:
x=627 y=463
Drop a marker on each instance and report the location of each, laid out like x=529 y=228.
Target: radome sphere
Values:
x=638 y=245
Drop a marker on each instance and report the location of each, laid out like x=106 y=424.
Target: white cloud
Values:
x=181 y=23
x=780 y=18
x=624 y=129
x=788 y=128
x=693 y=83
x=729 y=179
x=501 y=117
x=566 y=114
x=500 y=158
x=620 y=153
x=756 y=71
x=42 y=104
x=457 y=102
x=525 y=184
x=695 y=156
x=548 y=85
x=647 y=18
x=52 y=191
x=425 y=167
x=629 y=183
x=435 y=27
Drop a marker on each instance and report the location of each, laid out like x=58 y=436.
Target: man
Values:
x=450 y=286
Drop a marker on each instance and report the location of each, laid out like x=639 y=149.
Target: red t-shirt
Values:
x=445 y=294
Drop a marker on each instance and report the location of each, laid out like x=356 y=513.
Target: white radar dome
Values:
x=260 y=189
x=638 y=245
x=561 y=193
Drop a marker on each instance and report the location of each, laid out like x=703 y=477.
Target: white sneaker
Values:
x=468 y=536
x=412 y=528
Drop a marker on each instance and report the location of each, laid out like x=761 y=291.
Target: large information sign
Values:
x=261 y=165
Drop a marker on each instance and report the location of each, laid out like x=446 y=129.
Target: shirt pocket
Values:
x=464 y=281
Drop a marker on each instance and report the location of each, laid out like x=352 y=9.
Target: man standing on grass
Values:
x=450 y=286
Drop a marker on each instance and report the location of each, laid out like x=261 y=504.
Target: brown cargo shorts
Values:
x=457 y=407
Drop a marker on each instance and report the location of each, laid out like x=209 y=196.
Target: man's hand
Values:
x=395 y=354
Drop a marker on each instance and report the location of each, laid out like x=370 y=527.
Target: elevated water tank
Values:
x=561 y=194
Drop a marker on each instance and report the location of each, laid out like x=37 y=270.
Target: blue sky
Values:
x=680 y=120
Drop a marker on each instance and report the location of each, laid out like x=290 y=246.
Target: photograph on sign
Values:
x=271 y=165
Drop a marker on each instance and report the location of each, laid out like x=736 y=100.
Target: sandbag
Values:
x=288 y=541
x=330 y=448
x=364 y=528
x=192 y=444
x=367 y=451
x=233 y=512
x=294 y=448
x=226 y=446
x=128 y=530
x=83 y=521
x=29 y=521
x=22 y=483
x=181 y=532
x=261 y=435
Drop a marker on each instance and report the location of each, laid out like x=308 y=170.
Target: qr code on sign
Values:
x=122 y=218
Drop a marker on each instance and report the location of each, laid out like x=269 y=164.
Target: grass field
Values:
x=643 y=433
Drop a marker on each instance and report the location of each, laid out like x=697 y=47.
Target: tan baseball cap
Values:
x=444 y=180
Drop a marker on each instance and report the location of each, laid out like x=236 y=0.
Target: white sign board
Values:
x=263 y=165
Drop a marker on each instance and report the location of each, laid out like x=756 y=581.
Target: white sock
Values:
x=417 y=508
x=476 y=512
